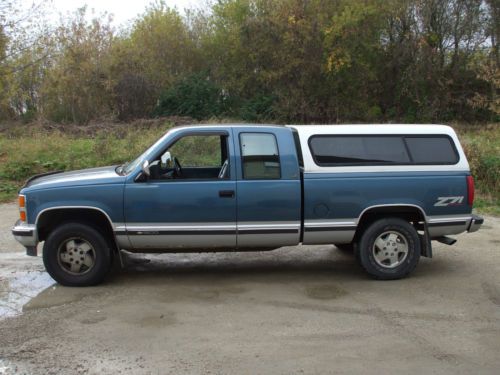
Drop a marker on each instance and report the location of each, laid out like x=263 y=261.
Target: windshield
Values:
x=130 y=166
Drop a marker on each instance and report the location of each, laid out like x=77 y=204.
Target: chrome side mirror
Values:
x=166 y=159
x=145 y=168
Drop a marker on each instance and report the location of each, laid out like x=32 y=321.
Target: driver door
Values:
x=186 y=202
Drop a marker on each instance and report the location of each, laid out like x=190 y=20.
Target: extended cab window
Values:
x=430 y=149
x=193 y=157
x=358 y=150
x=260 y=157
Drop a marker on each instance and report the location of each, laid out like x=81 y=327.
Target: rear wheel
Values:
x=76 y=254
x=389 y=249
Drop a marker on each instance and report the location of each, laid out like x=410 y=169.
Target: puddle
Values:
x=8 y=367
x=58 y=295
x=4 y=367
x=19 y=284
x=20 y=289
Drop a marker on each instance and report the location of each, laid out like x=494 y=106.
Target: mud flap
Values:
x=120 y=256
x=31 y=251
x=425 y=243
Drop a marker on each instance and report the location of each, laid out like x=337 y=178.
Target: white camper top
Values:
x=305 y=133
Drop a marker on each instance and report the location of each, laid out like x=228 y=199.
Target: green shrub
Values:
x=195 y=96
x=482 y=147
x=258 y=109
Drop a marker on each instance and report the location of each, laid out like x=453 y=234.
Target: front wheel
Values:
x=76 y=254
x=389 y=249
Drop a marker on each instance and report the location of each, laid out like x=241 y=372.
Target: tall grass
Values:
x=482 y=146
x=33 y=150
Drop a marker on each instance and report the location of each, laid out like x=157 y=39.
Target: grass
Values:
x=28 y=150
x=487 y=205
x=39 y=151
x=482 y=146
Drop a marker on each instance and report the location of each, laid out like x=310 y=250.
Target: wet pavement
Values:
x=291 y=311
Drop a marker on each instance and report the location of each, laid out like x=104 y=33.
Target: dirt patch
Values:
x=325 y=292
x=492 y=292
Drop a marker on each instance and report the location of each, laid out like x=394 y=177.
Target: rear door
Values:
x=268 y=187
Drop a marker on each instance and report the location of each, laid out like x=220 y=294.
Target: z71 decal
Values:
x=449 y=201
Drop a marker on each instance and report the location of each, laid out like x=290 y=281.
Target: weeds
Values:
x=482 y=146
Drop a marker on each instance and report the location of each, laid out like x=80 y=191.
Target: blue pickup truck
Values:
x=382 y=191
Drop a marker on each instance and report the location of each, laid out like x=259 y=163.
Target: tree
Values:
x=282 y=60
x=4 y=99
x=353 y=48
x=76 y=86
x=24 y=48
x=158 y=51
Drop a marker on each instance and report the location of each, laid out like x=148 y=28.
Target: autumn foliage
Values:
x=304 y=61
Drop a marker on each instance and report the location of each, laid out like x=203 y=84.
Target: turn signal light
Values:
x=22 y=207
x=22 y=201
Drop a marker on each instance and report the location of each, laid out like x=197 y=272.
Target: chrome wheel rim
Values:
x=390 y=249
x=76 y=256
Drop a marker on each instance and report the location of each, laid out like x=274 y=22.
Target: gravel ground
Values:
x=295 y=310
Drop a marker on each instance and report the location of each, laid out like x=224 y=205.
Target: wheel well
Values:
x=51 y=219
x=411 y=214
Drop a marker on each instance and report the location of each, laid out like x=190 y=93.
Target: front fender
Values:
x=105 y=198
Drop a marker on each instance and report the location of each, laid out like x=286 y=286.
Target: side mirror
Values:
x=145 y=168
x=166 y=159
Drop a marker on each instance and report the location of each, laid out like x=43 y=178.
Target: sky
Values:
x=123 y=10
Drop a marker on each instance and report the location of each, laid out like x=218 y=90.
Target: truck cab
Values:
x=383 y=191
x=224 y=187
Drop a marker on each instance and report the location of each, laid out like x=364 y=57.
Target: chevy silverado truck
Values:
x=384 y=191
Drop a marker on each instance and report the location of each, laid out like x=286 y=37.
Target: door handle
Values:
x=226 y=193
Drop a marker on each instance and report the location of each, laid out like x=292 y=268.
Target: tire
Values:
x=389 y=249
x=76 y=254
x=345 y=247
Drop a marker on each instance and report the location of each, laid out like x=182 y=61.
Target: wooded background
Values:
x=302 y=61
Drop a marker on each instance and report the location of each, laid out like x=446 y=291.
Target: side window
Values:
x=195 y=157
x=260 y=157
x=198 y=151
x=358 y=150
x=432 y=150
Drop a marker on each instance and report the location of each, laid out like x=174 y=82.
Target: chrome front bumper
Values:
x=475 y=223
x=25 y=234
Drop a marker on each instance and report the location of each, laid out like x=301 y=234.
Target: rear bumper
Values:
x=440 y=226
x=475 y=223
x=25 y=234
